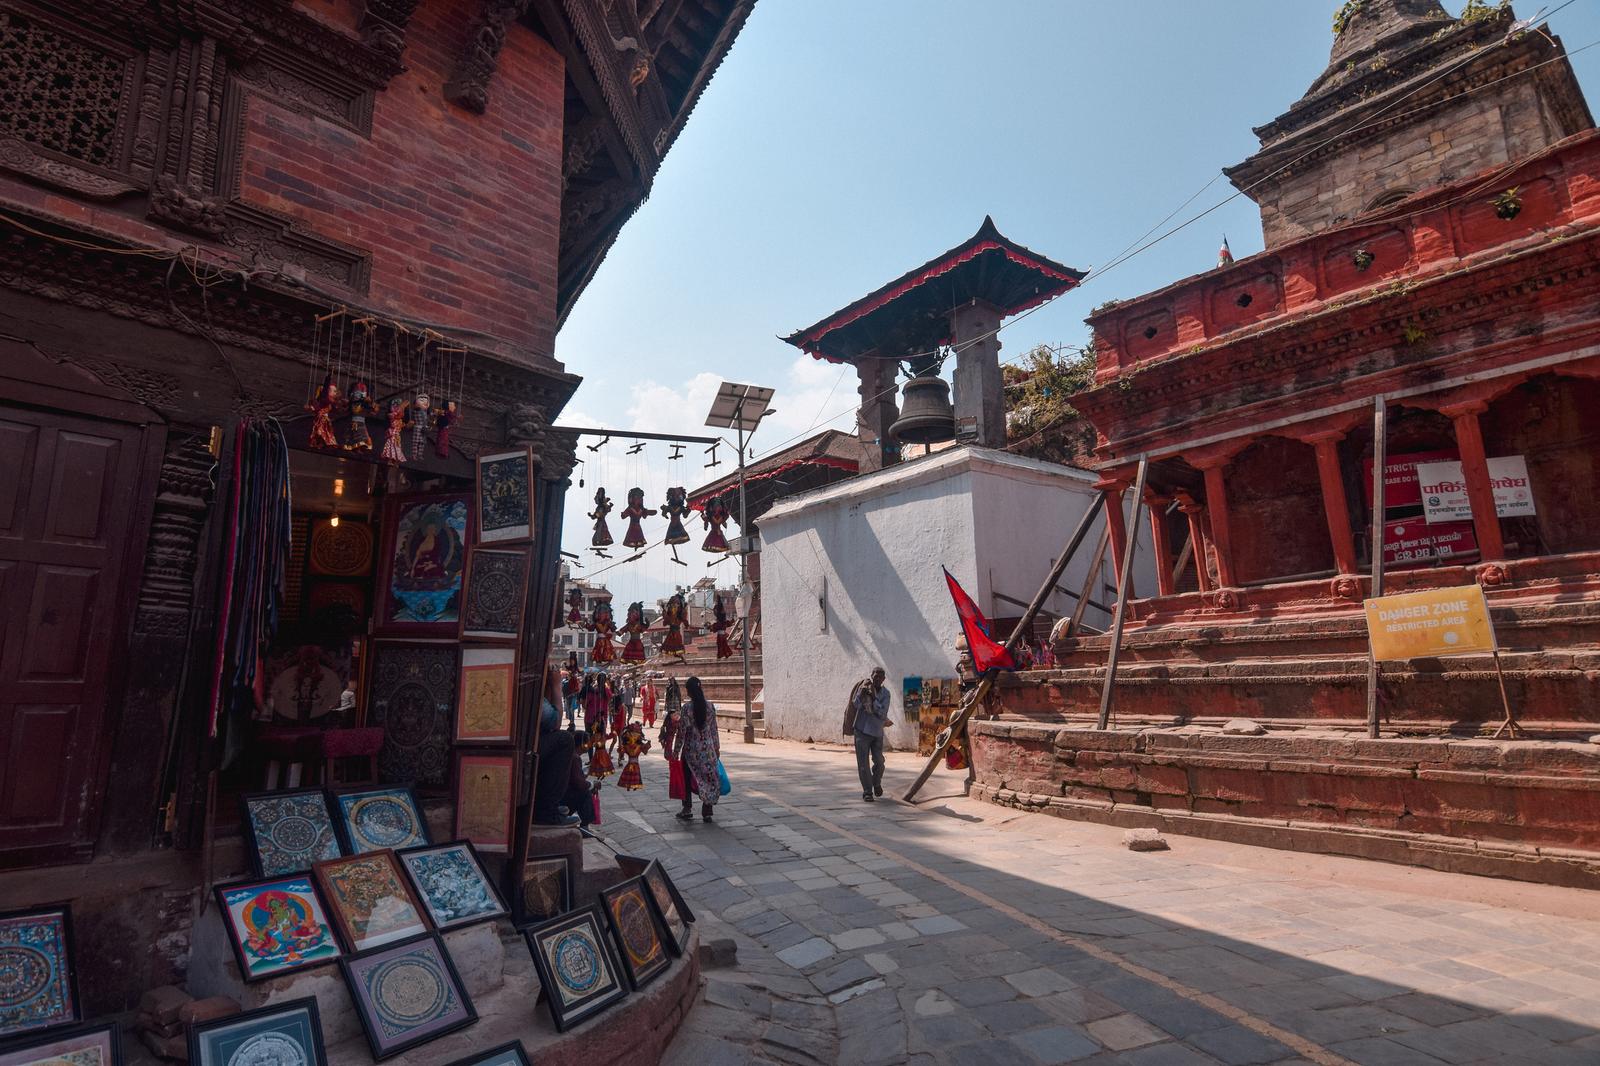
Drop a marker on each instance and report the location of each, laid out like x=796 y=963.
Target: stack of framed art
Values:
x=39 y=1006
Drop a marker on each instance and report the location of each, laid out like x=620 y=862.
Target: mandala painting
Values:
x=37 y=986
x=485 y=795
x=380 y=818
x=486 y=703
x=412 y=696
x=546 y=887
x=505 y=496
x=424 y=557
x=497 y=586
x=407 y=994
x=644 y=956
x=505 y=1055
x=285 y=1034
x=370 y=900
x=289 y=831
x=452 y=885
x=343 y=550
x=276 y=926
x=674 y=912
x=99 y=1045
x=576 y=966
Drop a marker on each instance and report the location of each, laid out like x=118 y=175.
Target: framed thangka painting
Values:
x=407 y=994
x=452 y=884
x=675 y=913
x=411 y=693
x=577 y=967
x=369 y=900
x=486 y=700
x=38 y=987
x=289 y=831
x=422 y=564
x=546 y=888
x=374 y=818
x=638 y=932
x=289 y=1032
x=495 y=592
x=505 y=1055
x=276 y=926
x=505 y=496
x=96 y=1045
x=485 y=795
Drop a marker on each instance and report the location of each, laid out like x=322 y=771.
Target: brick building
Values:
x=1430 y=214
x=189 y=194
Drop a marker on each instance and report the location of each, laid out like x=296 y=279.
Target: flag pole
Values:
x=975 y=699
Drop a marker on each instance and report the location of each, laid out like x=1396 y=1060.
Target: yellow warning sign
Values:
x=1438 y=622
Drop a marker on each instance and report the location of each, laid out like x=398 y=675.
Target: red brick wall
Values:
x=460 y=212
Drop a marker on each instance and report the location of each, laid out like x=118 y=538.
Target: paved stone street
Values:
x=957 y=932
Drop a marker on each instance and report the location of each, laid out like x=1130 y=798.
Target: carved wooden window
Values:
x=60 y=94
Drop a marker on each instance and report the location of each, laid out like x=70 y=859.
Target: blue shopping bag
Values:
x=724 y=786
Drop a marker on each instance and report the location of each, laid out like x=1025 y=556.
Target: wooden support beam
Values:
x=1123 y=590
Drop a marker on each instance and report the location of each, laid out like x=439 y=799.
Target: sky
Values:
x=843 y=142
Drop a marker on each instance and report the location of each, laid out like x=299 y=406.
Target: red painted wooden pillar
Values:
x=1475 y=471
x=1217 y=506
x=1201 y=549
x=1334 y=503
x=1161 y=542
x=1116 y=522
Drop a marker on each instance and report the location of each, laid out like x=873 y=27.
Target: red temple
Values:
x=1432 y=215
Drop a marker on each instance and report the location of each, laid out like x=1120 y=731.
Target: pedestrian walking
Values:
x=697 y=747
x=865 y=718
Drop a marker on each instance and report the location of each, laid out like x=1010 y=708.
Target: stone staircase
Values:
x=723 y=681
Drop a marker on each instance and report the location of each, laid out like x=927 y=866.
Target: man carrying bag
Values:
x=865 y=717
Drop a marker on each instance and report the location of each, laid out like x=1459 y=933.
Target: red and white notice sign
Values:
x=1400 y=487
x=1444 y=490
x=1413 y=541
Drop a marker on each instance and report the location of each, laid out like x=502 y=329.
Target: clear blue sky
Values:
x=845 y=141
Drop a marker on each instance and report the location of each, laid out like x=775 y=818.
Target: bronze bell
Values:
x=926 y=416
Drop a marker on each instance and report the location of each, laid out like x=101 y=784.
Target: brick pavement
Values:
x=954 y=932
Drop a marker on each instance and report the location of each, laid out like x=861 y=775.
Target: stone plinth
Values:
x=1529 y=810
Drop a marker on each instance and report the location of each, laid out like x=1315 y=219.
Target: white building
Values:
x=578 y=640
x=851 y=575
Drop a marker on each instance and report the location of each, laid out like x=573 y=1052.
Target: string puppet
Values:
x=394 y=451
x=720 y=626
x=604 y=626
x=673 y=618
x=594 y=700
x=647 y=702
x=574 y=606
x=600 y=764
x=448 y=418
x=602 y=531
x=357 y=438
x=419 y=418
x=631 y=745
x=633 y=650
x=635 y=511
x=674 y=511
x=322 y=407
x=715 y=517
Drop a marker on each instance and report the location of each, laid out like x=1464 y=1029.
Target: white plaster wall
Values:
x=872 y=549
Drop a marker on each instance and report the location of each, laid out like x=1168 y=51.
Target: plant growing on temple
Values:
x=1414 y=334
x=1349 y=10
x=1038 y=389
x=1479 y=10
x=1508 y=205
x=1362 y=258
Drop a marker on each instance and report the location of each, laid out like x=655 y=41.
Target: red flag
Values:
x=986 y=654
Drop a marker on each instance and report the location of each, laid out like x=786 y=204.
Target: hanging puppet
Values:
x=357 y=437
x=393 y=450
x=602 y=531
x=715 y=517
x=673 y=618
x=448 y=419
x=631 y=745
x=604 y=627
x=619 y=713
x=633 y=650
x=635 y=510
x=720 y=626
x=419 y=418
x=647 y=702
x=575 y=606
x=600 y=765
x=322 y=408
x=675 y=510
x=594 y=700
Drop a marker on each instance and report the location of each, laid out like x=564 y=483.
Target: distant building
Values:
x=577 y=639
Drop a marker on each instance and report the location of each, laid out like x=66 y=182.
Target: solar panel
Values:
x=739 y=406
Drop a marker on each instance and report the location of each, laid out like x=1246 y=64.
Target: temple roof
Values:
x=831 y=455
x=911 y=314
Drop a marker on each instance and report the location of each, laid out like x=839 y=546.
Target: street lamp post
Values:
x=741 y=408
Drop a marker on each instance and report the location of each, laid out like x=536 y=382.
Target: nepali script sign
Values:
x=1444 y=489
x=1435 y=623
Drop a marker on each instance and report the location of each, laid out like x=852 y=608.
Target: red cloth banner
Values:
x=986 y=654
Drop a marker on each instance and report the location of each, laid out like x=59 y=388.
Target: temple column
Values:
x=1334 y=502
x=1475 y=472
x=1201 y=550
x=1159 y=540
x=1116 y=521
x=878 y=412
x=979 y=400
x=1217 y=507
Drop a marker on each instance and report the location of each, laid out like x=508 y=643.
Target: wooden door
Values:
x=68 y=488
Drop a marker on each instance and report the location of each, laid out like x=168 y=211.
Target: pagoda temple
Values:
x=1431 y=209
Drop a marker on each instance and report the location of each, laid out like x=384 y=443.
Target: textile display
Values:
x=505 y=496
x=546 y=888
x=370 y=901
x=486 y=703
x=407 y=994
x=276 y=926
x=97 y=1045
x=289 y=831
x=505 y=1055
x=412 y=695
x=639 y=935
x=289 y=1032
x=577 y=967
x=374 y=818
x=485 y=798
x=452 y=884
x=38 y=988
x=423 y=562
x=494 y=594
